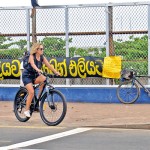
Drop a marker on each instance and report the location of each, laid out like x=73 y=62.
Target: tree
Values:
x=3 y=40
x=21 y=44
x=53 y=43
x=134 y=49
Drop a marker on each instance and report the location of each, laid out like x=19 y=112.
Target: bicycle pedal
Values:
x=37 y=109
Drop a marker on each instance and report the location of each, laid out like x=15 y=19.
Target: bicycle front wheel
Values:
x=128 y=92
x=53 y=108
x=20 y=104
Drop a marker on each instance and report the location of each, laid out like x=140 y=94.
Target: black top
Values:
x=37 y=63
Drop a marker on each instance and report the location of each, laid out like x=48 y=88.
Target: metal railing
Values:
x=96 y=30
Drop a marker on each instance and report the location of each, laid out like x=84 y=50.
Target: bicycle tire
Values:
x=128 y=92
x=20 y=104
x=53 y=113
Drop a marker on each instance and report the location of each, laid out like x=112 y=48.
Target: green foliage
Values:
x=3 y=45
x=21 y=44
x=58 y=53
x=4 y=39
x=72 y=51
x=55 y=47
x=134 y=50
x=139 y=66
x=81 y=52
x=53 y=43
x=92 y=51
x=11 y=54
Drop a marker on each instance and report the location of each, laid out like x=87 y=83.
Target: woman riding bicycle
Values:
x=32 y=75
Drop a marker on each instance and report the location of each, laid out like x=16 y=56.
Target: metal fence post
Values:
x=67 y=38
x=28 y=28
x=109 y=35
x=148 y=43
x=109 y=28
x=33 y=15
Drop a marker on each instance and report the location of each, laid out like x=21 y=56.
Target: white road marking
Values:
x=45 y=139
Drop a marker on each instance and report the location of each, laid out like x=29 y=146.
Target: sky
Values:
x=13 y=3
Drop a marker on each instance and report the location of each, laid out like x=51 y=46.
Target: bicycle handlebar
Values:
x=128 y=73
x=49 y=75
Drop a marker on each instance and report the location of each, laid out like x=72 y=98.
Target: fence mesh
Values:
x=86 y=27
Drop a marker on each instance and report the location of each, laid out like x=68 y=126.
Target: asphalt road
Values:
x=87 y=126
x=55 y=138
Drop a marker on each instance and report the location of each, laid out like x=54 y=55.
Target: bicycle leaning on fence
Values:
x=52 y=103
x=128 y=90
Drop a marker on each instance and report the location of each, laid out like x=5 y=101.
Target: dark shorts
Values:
x=28 y=77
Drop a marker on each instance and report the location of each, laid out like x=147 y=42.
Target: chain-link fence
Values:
x=79 y=30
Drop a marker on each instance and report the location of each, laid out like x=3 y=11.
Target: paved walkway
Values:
x=87 y=115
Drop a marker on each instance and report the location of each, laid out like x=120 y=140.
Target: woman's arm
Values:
x=45 y=61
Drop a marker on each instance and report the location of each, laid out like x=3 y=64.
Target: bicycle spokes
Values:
x=20 y=104
x=54 y=108
x=128 y=92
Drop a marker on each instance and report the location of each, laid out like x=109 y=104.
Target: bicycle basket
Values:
x=127 y=74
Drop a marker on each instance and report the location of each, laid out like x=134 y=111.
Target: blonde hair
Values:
x=34 y=47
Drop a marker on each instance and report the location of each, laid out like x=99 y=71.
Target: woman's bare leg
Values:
x=30 y=96
x=38 y=80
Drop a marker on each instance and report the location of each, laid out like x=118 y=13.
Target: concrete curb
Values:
x=125 y=126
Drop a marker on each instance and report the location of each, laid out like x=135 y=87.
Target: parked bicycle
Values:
x=128 y=90
x=52 y=103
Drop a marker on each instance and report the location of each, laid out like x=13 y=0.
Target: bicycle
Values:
x=52 y=107
x=128 y=90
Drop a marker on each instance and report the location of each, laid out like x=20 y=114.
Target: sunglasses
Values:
x=41 y=49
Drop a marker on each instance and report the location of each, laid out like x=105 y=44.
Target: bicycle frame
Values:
x=135 y=79
x=36 y=100
x=128 y=91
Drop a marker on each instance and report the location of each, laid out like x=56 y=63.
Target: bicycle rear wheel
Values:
x=20 y=104
x=53 y=108
x=128 y=92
